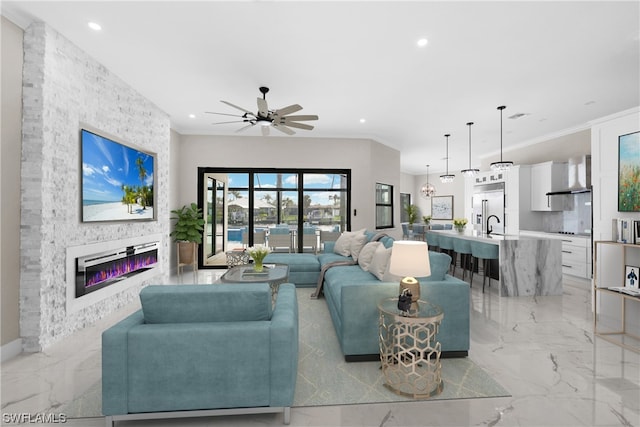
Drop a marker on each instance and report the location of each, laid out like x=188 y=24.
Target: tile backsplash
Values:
x=576 y=219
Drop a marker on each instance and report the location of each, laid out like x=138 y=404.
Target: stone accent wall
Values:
x=64 y=88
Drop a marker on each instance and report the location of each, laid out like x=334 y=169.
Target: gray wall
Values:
x=63 y=88
x=10 y=181
x=369 y=161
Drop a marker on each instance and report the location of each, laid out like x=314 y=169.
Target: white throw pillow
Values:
x=366 y=255
x=380 y=262
x=357 y=243
x=343 y=244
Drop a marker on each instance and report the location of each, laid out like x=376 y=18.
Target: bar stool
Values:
x=485 y=252
x=463 y=248
x=446 y=246
x=432 y=241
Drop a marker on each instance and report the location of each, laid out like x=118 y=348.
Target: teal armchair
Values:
x=202 y=350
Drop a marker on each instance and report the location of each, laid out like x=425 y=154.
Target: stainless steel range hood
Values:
x=579 y=169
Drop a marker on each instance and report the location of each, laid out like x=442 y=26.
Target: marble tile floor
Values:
x=541 y=349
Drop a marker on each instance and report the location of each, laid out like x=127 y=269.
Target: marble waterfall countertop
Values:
x=528 y=265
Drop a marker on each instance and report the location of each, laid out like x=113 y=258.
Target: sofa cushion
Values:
x=380 y=262
x=440 y=263
x=327 y=258
x=366 y=254
x=343 y=244
x=206 y=303
x=295 y=261
x=357 y=243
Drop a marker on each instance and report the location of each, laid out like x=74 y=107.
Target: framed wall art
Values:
x=628 y=172
x=442 y=207
x=631 y=276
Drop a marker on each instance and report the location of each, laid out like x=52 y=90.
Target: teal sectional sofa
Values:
x=202 y=350
x=352 y=295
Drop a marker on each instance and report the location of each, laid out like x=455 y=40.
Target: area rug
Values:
x=324 y=378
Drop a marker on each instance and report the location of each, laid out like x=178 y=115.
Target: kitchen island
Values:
x=528 y=265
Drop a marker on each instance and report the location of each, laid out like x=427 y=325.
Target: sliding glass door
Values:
x=289 y=210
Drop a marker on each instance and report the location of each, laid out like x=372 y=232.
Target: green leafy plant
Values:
x=426 y=219
x=459 y=223
x=189 y=224
x=412 y=213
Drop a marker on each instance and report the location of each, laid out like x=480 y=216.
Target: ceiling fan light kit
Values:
x=279 y=119
x=470 y=171
x=502 y=165
x=427 y=190
x=447 y=178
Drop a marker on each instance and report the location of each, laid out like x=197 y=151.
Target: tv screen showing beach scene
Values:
x=117 y=180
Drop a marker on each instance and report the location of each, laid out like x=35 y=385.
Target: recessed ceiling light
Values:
x=192 y=116
x=94 y=26
x=363 y=120
x=422 y=42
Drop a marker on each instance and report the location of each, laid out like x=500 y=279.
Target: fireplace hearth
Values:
x=99 y=270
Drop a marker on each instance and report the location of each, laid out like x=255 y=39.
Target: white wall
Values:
x=412 y=184
x=604 y=169
x=369 y=161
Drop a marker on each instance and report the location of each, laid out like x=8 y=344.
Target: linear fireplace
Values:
x=99 y=270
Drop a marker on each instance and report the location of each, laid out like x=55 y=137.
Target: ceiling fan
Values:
x=278 y=119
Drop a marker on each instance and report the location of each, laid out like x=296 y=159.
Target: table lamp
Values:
x=410 y=259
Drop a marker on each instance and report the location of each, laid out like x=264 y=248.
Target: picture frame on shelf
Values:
x=631 y=277
x=442 y=207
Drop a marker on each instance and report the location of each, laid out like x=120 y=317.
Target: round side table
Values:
x=409 y=351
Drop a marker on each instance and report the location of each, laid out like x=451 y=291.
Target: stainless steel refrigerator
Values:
x=488 y=199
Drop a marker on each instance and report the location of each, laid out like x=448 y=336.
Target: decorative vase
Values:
x=257 y=265
x=460 y=228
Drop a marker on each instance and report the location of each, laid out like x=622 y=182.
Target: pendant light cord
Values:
x=469 y=124
x=500 y=135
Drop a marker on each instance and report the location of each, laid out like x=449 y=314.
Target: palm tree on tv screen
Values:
x=142 y=173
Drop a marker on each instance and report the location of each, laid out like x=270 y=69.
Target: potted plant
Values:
x=427 y=220
x=412 y=214
x=459 y=224
x=187 y=232
x=258 y=253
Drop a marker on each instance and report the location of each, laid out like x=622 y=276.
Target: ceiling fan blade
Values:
x=234 y=121
x=263 y=108
x=288 y=110
x=299 y=125
x=235 y=106
x=265 y=130
x=284 y=129
x=245 y=127
x=298 y=118
x=224 y=114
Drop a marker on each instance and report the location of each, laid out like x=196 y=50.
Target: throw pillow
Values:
x=357 y=243
x=343 y=244
x=366 y=255
x=380 y=262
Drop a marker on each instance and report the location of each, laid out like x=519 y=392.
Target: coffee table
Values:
x=273 y=274
x=409 y=351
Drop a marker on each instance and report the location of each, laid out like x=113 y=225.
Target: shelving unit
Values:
x=618 y=324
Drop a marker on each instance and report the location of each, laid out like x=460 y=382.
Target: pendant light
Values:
x=446 y=178
x=427 y=190
x=502 y=165
x=470 y=171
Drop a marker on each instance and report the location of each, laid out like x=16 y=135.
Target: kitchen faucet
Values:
x=490 y=229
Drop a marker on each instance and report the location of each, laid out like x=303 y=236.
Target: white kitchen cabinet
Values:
x=576 y=252
x=546 y=177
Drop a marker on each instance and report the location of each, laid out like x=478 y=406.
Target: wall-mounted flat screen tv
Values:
x=117 y=180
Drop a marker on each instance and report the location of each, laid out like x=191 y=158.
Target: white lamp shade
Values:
x=410 y=258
